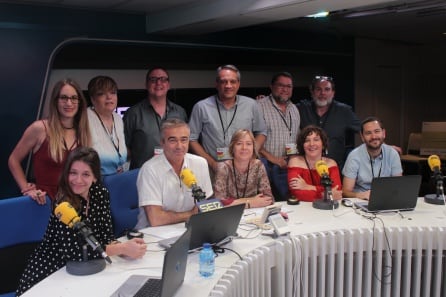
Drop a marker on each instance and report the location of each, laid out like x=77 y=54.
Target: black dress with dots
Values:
x=61 y=243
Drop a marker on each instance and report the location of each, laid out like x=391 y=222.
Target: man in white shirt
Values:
x=163 y=197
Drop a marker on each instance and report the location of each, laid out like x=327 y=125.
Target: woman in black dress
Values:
x=80 y=186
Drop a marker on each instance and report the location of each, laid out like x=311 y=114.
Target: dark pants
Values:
x=278 y=178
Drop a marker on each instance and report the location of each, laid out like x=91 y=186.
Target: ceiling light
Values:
x=321 y=14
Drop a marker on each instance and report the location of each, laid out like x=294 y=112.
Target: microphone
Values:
x=322 y=170
x=68 y=215
x=203 y=204
x=327 y=202
x=435 y=165
x=188 y=178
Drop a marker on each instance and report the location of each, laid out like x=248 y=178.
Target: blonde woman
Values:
x=50 y=140
x=243 y=179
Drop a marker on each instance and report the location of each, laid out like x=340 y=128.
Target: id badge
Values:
x=290 y=149
x=223 y=153
x=157 y=151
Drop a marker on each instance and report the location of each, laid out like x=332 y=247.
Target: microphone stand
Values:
x=327 y=202
x=85 y=267
x=437 y=198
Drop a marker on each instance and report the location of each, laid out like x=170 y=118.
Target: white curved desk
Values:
x=278 y=267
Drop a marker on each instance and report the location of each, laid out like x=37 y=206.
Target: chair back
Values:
x=123 y=200
x=414 y=144
x=24 y=222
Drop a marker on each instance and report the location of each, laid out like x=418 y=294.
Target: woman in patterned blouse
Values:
x=80 y=186
x=243 y=179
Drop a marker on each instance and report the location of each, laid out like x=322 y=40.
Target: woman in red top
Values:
x=50 y=140
x=303 y=179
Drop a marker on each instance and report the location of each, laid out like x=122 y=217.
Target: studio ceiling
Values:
x=413 y=21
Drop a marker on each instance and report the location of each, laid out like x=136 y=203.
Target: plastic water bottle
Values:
x=207 y=258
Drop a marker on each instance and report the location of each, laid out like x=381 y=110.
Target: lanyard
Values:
x=110 y=135
x=282 y=116
x=235 y=180
x=381 y=156
x=311 y=172
x=221 y=120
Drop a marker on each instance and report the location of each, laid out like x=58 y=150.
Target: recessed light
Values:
x=321 y=14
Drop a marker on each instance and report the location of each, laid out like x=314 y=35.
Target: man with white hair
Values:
x=337 y=119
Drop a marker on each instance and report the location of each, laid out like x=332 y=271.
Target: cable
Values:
x=220 y=250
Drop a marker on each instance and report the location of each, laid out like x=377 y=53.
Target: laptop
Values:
x=393 y=193
x=215 y=226
x=174 y=269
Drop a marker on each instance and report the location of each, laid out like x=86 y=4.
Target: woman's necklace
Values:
x=235 y=180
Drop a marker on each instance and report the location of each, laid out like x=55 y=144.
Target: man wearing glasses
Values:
x=283 y=121
x=163 y=197
x=142 y=121
x=336 y=118
x=216 y=118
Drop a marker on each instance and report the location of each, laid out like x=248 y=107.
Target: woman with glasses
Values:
x=304 y=179
x=106 y=126
x=243 y=179
x=50 y=140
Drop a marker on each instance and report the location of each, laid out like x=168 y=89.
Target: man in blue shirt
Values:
x=216 y=118
x=371 y=159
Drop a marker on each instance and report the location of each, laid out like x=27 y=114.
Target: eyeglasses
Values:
x=74 y=99
x=155 y=79
x=319 y=78
x=282 y=86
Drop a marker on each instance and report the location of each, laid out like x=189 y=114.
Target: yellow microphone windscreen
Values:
x=321 y=167
x=188 y=177
x=66 y=214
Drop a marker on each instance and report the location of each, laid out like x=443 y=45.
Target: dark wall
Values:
x=30 y=46
x=28 y=37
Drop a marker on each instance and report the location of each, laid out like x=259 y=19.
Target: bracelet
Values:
x=248 y=205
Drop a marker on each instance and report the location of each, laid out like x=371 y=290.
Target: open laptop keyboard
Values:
x=151 y=288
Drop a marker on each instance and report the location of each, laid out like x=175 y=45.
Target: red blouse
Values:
x=311 y=176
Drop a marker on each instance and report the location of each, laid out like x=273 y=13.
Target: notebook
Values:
x=394 y=193
x=215 y=226
x=174 y=269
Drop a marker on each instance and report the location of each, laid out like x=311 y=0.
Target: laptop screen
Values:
x=394 y=193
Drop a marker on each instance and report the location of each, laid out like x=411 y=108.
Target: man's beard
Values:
x=280 y=99
x=323 y=103
x=373 y=147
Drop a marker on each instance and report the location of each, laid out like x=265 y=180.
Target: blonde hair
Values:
x=239 y=134
x=55 y=128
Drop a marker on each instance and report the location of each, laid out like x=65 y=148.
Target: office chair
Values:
x=25 y=223
x=414 y=144
x=123 y=200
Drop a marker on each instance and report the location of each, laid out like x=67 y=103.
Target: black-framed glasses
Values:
x=155 y=79
x=282 y=86
x=74 y=99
